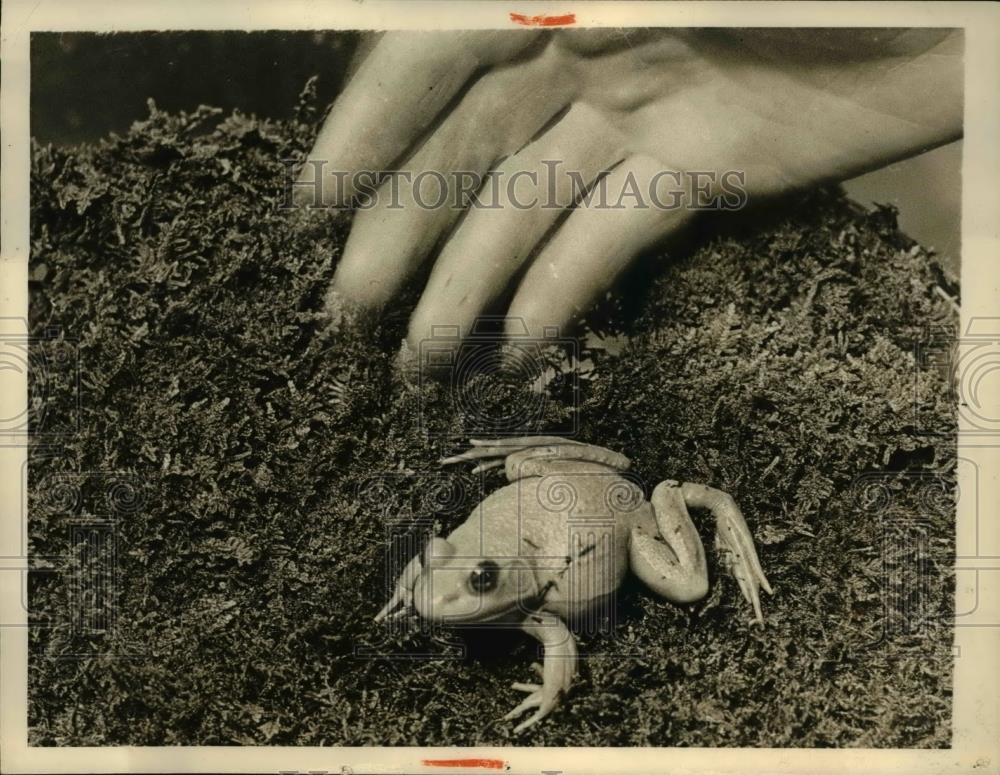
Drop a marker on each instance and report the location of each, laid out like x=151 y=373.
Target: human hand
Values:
x=786 y=109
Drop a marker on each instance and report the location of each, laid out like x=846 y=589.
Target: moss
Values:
x=272 y=453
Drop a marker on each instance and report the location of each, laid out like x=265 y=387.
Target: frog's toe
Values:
x=398 y=607
x=387 y=612
x=740 y=558
x=533 y=700
x=538 y=699
x=535 y=717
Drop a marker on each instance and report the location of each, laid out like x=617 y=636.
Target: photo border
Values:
x=976 y=698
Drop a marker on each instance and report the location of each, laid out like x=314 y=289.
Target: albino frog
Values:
x=555 y=543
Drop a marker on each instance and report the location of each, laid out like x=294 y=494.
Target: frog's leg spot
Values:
x=530 y=543
x=671 y=562
x=734 y=539
x=586 y=550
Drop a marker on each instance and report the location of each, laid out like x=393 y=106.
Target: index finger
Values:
x=407 y=80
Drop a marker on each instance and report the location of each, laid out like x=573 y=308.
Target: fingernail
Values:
x=336 y=309
x=407 y=365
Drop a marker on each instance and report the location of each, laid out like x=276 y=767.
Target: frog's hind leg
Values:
x=734 y=539
x=529 y=455
x=669 y=558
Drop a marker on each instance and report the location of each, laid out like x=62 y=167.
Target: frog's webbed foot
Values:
x=734 y=541
x=556 y=674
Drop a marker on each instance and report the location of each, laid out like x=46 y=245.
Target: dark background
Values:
x=84 y=85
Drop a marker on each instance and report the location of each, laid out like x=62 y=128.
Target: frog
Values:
x=556 y=542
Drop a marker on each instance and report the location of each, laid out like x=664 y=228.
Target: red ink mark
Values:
x=543 y=21
x=489 y=764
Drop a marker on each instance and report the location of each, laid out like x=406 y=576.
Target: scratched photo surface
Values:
x=711 y=505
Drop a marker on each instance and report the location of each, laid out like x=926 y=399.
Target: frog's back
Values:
x=573 y=524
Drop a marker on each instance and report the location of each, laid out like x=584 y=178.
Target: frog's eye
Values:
x=485 y=577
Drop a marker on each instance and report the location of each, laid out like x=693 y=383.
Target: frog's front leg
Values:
x=557 y=672
x=402 y=598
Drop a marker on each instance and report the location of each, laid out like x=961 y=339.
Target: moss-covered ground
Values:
x=270 y=453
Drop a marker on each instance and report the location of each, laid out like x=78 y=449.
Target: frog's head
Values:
x=454 y=589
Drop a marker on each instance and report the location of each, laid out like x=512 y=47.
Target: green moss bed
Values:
x=267 y=460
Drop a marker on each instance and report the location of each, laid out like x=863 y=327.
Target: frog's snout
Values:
x=440 y=595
